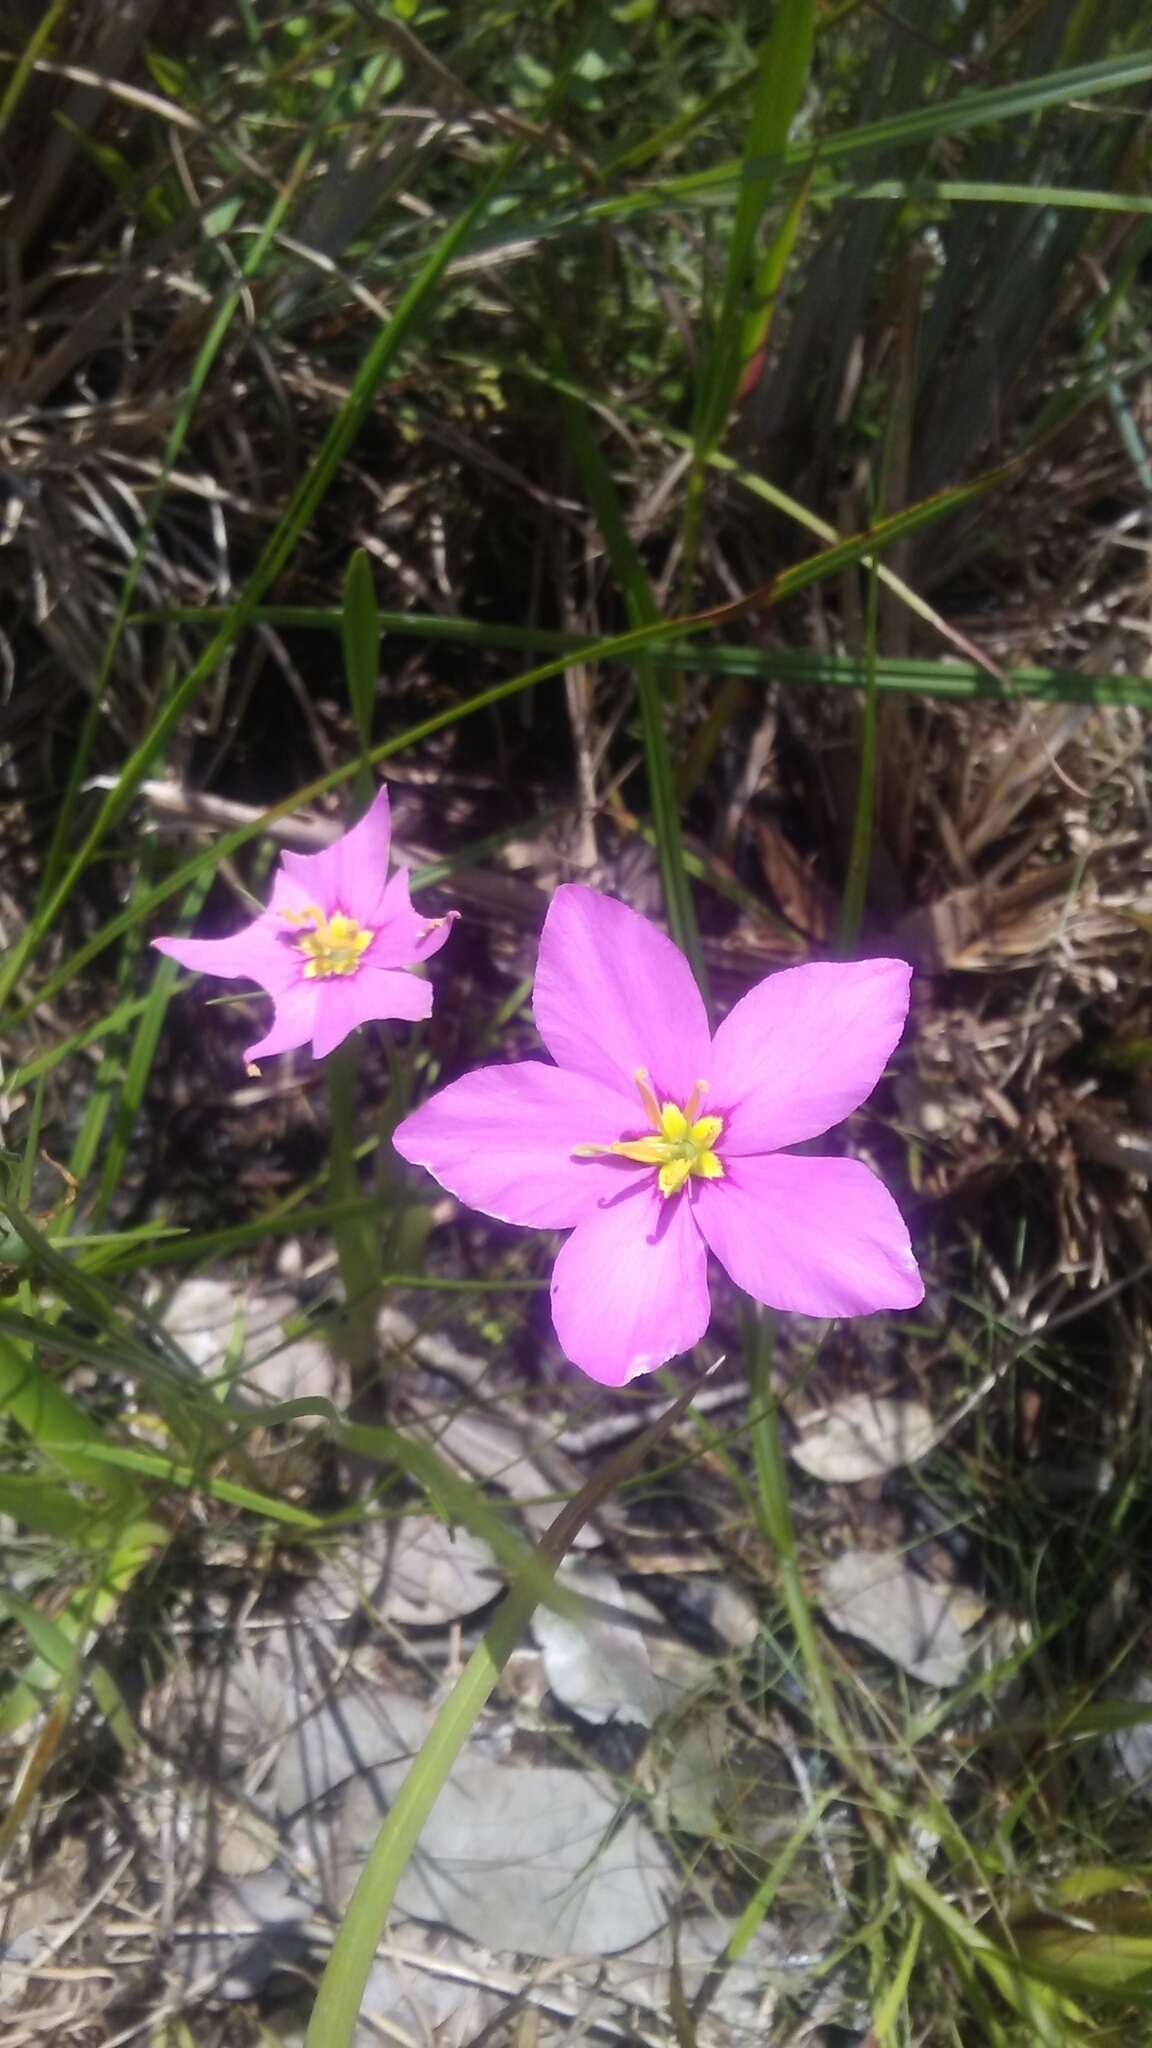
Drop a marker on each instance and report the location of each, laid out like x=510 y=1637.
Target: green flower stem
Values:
x=357 y=1247
x=777 y=1525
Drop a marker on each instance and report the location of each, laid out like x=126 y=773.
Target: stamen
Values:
x=692 y=1106
x=681 y=1143
x=648 y=1097
x=334 y=944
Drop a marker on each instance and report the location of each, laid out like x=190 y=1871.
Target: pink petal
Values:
x=502 y=1139
x=630 y=1286
x=293 y=1023
x=349 y=875
x=803 y=1048
x=820 y=1236
x=257 y=953
x=345 y=1000
x=402 y=933
x=613 y=994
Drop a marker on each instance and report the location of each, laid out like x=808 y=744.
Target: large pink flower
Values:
x=655 y=1142
x=332 y=946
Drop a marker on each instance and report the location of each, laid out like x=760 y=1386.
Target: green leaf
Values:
x=56 y=1424
x=39 y=1504
x=1104 y=1947
x=780 y=82
x=360 y=627
x=153 y=1465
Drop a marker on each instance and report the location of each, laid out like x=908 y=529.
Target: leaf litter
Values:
x=876 y=1596
x=862 y=1437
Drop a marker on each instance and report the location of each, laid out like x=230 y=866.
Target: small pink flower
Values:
x=332 y=946
x=655 y=1143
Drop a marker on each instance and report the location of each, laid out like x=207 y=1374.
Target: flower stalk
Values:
x=775 y=1508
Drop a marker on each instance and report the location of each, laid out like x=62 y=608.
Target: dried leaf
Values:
x=239 y=1934
x=433 y=1574
x=804 y=899
x=605 y=1669
x=692 y=1794
x=525 y=1860
x=245 y=1841
x=597 y=1668
x=220 y=1326
x=875 y=1595
x=356 y=1729
x=863 y=1436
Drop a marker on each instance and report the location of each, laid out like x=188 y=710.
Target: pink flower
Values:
x=655 y=1143
x=332 y=946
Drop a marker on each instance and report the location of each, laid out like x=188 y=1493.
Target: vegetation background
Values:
x=702 y=447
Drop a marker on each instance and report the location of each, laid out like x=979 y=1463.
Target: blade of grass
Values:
x=642 y=611
x=776 y=1521
x=360 y=631
x=781 y=78
x=54 y=1422
x=145 y=1044
x=887 y=2009
x=782 y=75
x=963 y=681
x=186 y=1479
x=860 y=852
x=337 y=2007
x=1046 y=2012
x=26 y=61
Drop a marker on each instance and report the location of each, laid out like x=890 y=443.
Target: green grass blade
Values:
x=360 y=632
x=337 y=2007
x=985 y=192
x=860 y=851
x=145 y=1045
x=781 y=79
x=961 y=681
x=887 y=2009
x=642 y=610
x=26 y=61
x=776 y=1522
x=54 y=1422
x=186 y=1479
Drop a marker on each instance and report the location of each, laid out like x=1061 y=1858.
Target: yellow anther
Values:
x=674 y=1124
x=681 y=1145
x=333 y=946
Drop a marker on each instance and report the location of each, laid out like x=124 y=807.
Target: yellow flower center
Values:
x=681 y=1144
x=332 y=946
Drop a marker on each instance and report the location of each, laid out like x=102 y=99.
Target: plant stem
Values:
x=776 y=1522
x=356 y=1244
